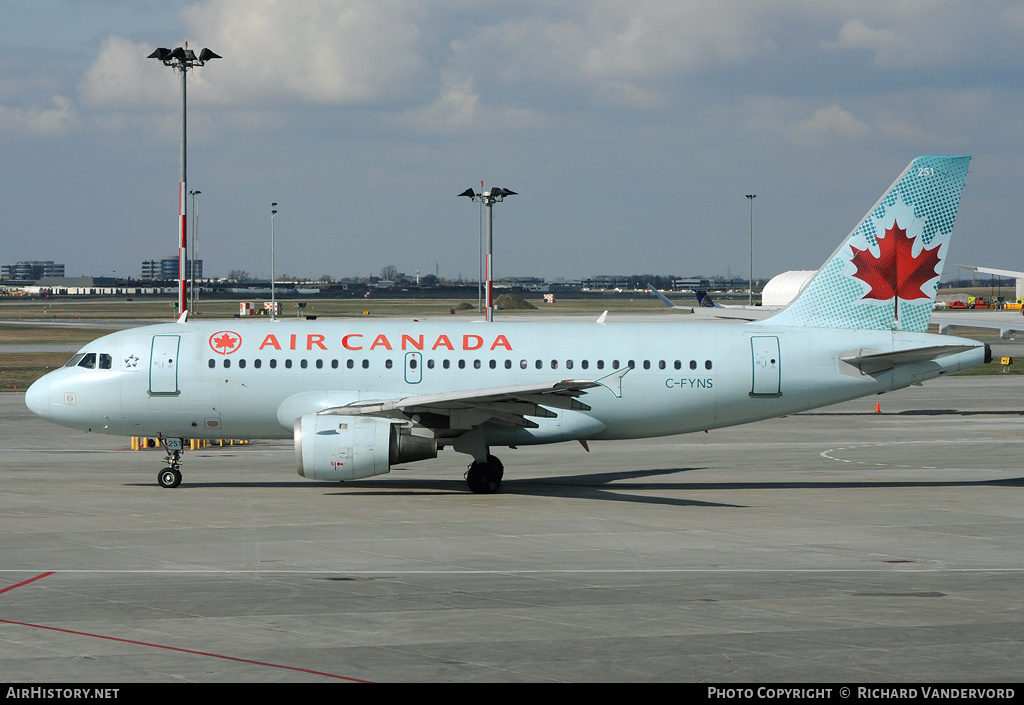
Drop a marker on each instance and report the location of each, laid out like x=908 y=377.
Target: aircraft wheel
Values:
x=484 y=478
x=169 y=477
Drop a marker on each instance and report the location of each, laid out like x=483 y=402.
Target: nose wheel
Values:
x=169 y=477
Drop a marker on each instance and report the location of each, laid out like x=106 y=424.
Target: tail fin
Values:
x=886 y=273
x=704 y=299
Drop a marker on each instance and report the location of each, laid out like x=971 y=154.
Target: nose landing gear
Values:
x=171 y=475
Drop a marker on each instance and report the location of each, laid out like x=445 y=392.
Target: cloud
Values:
x=314 y=53
x=36 y=121
x=458 y=108
x=775 y=116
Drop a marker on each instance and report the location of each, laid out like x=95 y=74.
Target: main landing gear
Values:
x=170 y=476
x=484 y=477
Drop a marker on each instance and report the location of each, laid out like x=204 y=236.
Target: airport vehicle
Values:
x=360 y=396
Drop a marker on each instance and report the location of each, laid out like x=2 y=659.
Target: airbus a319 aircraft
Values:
x=361 y=396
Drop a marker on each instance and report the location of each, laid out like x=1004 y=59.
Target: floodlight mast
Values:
x=489 y=198
x=181 y=59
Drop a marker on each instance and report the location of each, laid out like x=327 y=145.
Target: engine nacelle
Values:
x=337 y=448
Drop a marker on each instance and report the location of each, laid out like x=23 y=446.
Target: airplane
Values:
x=358 y=397
x=1009 y=324
x=705 y=302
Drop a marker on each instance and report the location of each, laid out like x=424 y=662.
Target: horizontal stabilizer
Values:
x=877 y=360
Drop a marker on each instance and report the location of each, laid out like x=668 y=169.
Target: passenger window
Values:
x=446 y=364
x=227 y=363
x=412 y=363
x=303 y=363
x=273 y=364
x=288 y=364
x=241 y=363
x=257 y=363
x=568 y=364
x=554 y=364
x=366 y=364
x=213 y=363
x=523 y=364
x=350 y=364
x=661 y=364
x=647 y=364
x=508 y=364
x=678 y=364
x=584 y=364
x=430 y=364
x=319 y=364
x=334 y=364
x=539 y=364
x=600 y=364
x=615 y=364
x=693 y=364
x=387 y=364
x=707 y=364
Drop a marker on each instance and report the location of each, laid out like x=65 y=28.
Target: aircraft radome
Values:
x=360 y=396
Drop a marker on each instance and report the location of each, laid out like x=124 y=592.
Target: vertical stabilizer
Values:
x=886 y=273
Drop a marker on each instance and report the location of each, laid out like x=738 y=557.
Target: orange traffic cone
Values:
x=878 y=407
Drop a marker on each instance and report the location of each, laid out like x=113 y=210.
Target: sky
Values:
x=632 y=132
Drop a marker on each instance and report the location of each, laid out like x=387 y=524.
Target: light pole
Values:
x=273 y=274
x=489 y=198
x=181 y=59
x=195 y=249
x=751 y=197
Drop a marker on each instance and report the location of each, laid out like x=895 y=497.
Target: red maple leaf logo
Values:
x=225 y=342
x=895 y=273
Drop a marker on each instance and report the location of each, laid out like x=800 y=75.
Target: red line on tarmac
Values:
x=163 y=646
x=26 y=582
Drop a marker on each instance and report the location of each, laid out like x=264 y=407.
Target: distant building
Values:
x=167 y=268
x=31 y=270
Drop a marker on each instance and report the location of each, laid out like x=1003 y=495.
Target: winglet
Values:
x=664 y=299
x=183 y=318
x=602 y=317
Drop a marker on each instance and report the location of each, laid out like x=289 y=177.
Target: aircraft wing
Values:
x=989 y=270
x=1008 y=324
x=509 y=405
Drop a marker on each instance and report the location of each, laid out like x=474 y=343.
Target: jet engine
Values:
x=338 y=448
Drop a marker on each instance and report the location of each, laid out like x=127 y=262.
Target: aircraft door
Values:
x=163 y=365
x=413 y=367
x=767 y=375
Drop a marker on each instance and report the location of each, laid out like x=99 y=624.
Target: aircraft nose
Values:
x=37 y=398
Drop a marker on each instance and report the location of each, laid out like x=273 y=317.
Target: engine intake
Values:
x=338 y=448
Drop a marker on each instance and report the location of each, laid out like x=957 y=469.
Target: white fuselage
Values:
x=195 y=380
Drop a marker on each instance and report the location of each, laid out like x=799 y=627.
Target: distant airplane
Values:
x=704 y=302
x=359 y=396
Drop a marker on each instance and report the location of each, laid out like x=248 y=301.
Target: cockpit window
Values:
x=105 y=361
x=88 y=361
x=73 y=362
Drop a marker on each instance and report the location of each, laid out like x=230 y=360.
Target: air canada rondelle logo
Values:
x=225 y=342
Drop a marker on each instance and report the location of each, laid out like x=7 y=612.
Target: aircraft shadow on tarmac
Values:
x=914 y=412
x=613 y=486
